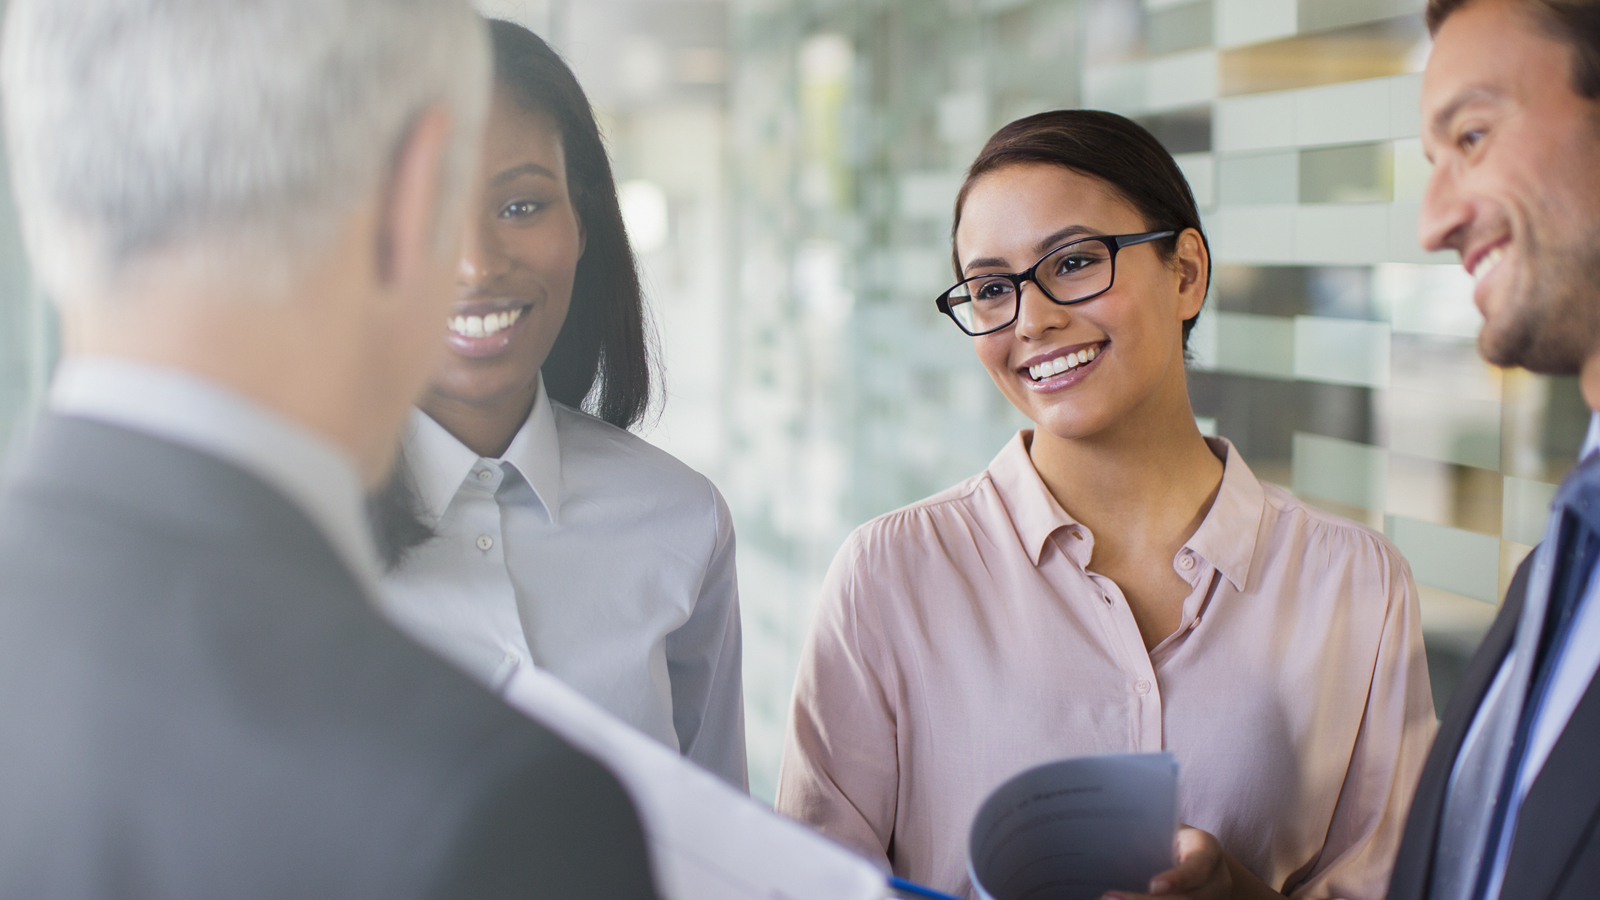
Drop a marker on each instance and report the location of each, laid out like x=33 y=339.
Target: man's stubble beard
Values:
x=1553 y=320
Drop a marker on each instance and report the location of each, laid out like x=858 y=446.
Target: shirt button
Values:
x=1142 y=686
x=485 y=475
x=1187 y=562
x=485 y=542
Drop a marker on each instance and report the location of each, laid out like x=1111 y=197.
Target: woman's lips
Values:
x=484 y=334
x=1064 y=369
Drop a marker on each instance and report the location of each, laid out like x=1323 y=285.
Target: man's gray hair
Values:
x=142 y=125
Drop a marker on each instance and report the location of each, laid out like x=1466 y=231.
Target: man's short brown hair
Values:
x=1577 y=22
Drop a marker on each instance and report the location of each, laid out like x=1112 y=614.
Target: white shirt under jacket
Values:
x=588 y=553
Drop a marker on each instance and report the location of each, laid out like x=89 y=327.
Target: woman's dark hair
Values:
x=1116 y=150
x=603 y=352
x=1577 y=22
x=601 y=361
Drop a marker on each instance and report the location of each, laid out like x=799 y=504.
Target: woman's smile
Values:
x=1062 y=368
x=482 y=330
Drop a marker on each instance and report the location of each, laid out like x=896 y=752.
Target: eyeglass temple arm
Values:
x=1145 y=238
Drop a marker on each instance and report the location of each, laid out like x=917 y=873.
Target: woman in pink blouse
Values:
x=1114 y=581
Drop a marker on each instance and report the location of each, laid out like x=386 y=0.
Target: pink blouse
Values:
x=963 y=639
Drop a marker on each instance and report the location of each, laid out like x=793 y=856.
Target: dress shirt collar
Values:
x=441 y=463
x=315 y=475
x=1591 y=441
x=1236 y=512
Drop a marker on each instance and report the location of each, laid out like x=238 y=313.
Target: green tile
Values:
x=1525 y=508
x=1342 y=471
x=1451 y=559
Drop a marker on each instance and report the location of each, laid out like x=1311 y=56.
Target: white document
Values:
x=1076 y=828
x=707 y=841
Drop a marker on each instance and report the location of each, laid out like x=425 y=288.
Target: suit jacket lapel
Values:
x=1413 y=872
x=1559 y=814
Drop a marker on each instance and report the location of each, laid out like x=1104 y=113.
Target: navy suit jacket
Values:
x=197 y=702
x=1555 y=854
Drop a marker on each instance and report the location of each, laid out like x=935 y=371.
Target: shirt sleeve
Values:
x=704 y=664
x=840 y=770
x=1391 y=747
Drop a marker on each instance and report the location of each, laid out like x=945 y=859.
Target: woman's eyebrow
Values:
x=516 y=172
x=1048 y=242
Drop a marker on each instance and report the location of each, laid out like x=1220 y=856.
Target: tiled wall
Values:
x=1337 y=355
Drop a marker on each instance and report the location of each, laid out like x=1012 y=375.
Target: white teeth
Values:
x=484 y=326
x=1062 y=363
x=1487 y=263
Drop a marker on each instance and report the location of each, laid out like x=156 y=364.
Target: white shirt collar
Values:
x=1591 y=441
x=441 y=464
x=316 y=475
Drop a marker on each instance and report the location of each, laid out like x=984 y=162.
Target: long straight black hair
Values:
x=602 y=361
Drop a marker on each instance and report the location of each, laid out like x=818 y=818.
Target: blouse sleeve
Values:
x=840 y=771
x=704 y=664
x=1396 y=731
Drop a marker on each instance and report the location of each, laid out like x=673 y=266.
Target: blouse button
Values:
x=1142 y=686
x=1187 y=562
x=485 y=542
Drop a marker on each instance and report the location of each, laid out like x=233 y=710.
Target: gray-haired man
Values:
x=246 y=211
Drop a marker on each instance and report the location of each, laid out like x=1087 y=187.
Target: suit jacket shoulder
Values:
x=200 y=702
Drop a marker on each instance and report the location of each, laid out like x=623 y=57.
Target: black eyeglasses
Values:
x=1071 y=273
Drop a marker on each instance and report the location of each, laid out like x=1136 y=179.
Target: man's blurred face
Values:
x=1516 y=184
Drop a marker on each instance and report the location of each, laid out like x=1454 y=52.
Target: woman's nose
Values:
x=1037 y=313
x=482 y=257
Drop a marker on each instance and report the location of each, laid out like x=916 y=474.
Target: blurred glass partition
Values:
x=27 y=330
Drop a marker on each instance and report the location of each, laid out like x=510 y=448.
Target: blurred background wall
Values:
x=788 y=172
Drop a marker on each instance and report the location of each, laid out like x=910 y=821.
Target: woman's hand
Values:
x=1203 y=872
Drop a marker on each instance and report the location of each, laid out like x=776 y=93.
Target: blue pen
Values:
x=917 y=890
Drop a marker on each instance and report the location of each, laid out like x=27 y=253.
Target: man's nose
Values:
x=1446 y=214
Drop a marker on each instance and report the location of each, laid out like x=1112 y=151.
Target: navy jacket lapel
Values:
x=1559 y=815
x=1413 y=871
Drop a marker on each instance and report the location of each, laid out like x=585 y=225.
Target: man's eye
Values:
x=1470 y=138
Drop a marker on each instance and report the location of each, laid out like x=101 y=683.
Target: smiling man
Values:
x=1508 y=804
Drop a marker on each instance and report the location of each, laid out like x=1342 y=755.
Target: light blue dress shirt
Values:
x=1574 y=669
x=590 y=554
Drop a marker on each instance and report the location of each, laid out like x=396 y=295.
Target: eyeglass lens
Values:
x=1074 y=272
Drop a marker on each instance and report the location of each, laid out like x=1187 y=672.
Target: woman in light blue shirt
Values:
x=526 y=525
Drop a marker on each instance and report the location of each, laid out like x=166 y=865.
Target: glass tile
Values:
x=1255 y=179
x=1451 y=559
x=1526 y=509
x=1370 y=50
x=1341 y=351
x=1411 y=170
x=1320 y=15
x=1443 y=493
x=1542 y=427
x=1199 y=169
x=1251 y=21
x=1341 y=233
x=1183 y=26
x=1356 y=173
x=1440 y=426
x=1182 y=130
x=1255 y=345
x=1342 y=471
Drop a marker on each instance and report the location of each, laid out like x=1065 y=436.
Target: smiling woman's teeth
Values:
x=1062 y=363
x=483 y=326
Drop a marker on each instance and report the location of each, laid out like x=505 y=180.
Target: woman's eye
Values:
x=1070 y=264
x=992 y=290
x=521 y=209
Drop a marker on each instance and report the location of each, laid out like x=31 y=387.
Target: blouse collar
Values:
x=1226 y=538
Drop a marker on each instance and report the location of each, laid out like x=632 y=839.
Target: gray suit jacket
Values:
x=196 y=701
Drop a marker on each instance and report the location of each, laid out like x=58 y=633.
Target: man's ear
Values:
x=409 y=211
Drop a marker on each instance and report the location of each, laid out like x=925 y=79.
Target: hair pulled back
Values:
x=1105 y=146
